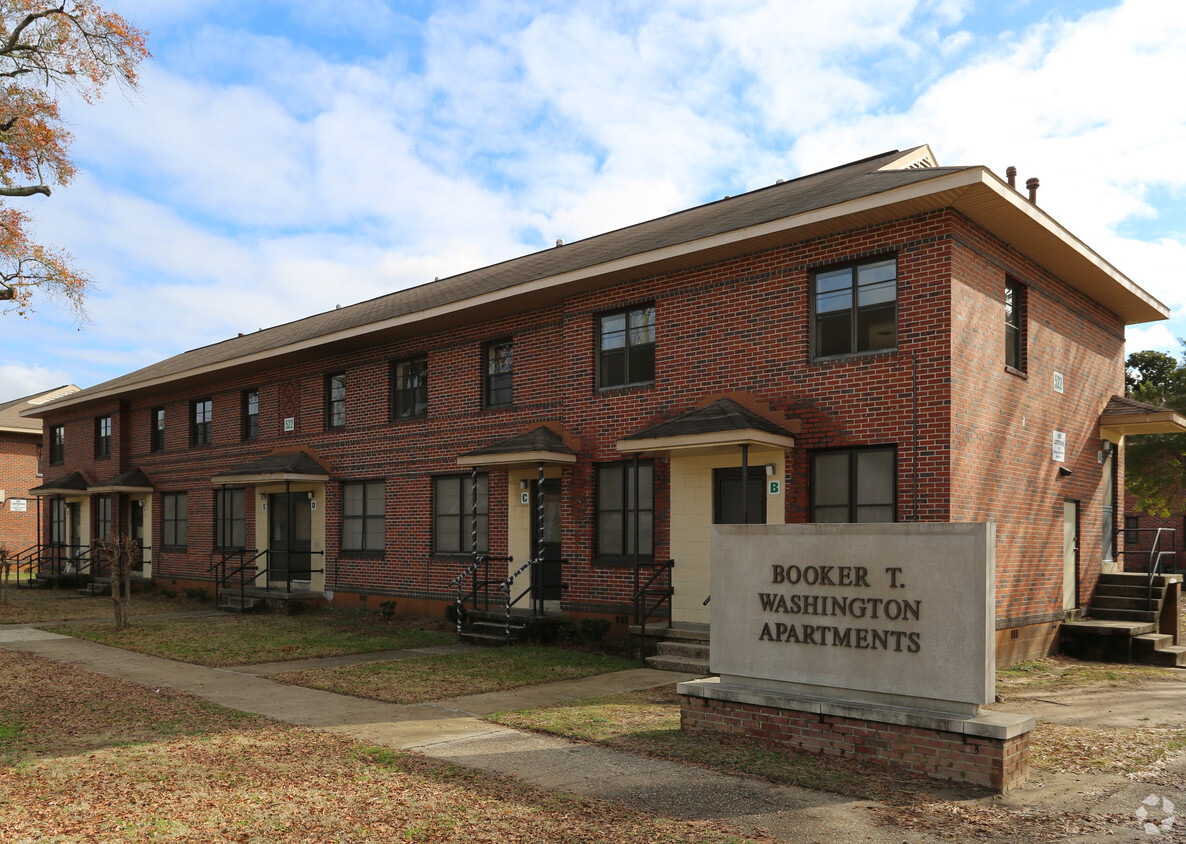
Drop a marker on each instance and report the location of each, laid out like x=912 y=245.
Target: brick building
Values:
x=20 y=468
x=886 y=340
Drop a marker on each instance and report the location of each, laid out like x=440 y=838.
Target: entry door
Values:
x=547 y=546
x=136 y=527
x=74 y=528
x=727 y=499
x=1070 y=555
x=290 y=534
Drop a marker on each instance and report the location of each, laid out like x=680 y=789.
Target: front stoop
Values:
x=254 y=599
x=490 y=627
x=1127 y=624
x=681 y=648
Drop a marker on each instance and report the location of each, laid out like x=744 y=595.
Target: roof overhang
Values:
x=511 y=460
x=74 y=484
x=282 y=466
x=267 y=478
x=1116 y=426
x=974 y=192
x=716 y=442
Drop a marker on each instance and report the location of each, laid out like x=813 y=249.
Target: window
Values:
x=57 y=520
x=102 y=516
x=1015 y=326
x=40 y=467
x=57 y=445
x=500 y=370
x=250 y=414
x=727 y=506
x=856 y=308
x=201 y=415
x=854 y=485
x=335 y=400
x=626 y=347
x=174 y=519
x=363 y=516
x=409 y=388
x=1132 y=523
x=230 y=518
x=452 y=502
x=102 y=438
x=617 y=511
x=156 y=429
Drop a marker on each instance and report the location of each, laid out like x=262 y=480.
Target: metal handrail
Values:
x=30 y=558
x=288 y=570
x=643 y=611
x=1155 y=557
x=537 y=600
x=476 y=586
x=219 y=569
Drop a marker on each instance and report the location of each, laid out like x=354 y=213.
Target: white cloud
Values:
x=19 y=379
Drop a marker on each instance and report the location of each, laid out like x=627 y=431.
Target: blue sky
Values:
x=281 y=158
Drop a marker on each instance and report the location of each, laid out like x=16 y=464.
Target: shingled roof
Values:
x=11 y=420
x=873 y=190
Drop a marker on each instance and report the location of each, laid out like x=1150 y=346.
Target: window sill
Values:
x=405 y=420
x=345 y=554
x=625 y=388
x=1016 y=372
x=621 y=562
x=848 y=356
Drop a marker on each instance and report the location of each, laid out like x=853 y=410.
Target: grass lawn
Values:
x=145 y=764
x=453 y=675
x=248 y=639
x=31 y=606
x=1054 y=673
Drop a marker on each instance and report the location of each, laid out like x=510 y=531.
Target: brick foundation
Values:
x=991 y=751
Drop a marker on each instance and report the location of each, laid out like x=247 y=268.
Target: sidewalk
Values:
x=453 y=731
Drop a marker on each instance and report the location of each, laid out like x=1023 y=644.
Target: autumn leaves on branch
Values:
x=45 y=49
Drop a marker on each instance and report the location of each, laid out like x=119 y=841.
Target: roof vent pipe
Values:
x=1032 y=185
x=1011 y=175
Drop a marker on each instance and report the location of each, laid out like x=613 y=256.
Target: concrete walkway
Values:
x=453 y=731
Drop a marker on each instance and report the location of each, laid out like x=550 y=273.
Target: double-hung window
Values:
x=230 y=518
x=174 y=519
x=363 y=516
x=156 y=429
x=854 y=485
x=201 y=416
x=409 y=388
x=619 y=513
x=626 y=347
x=250 y=414
x=855 y=308
x=102 y=516
x=335 y=400
x=57 y=445
x=499 y=373
x=453 y=514
x=1015 y=325
x=102 y=437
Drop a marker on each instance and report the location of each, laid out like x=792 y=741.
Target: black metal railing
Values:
x=1154 y=556
x=478 y=575
x=650 y=594
x=534 y=589
x=28 y=560
x=224 y=571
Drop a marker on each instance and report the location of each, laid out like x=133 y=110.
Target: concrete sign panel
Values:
x=888 y=614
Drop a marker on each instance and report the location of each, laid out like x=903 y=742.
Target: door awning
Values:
x=530 y=448
x=131 y=481
x=721 y=425
x=278 y=467
x=1123 y=417
x=72 y=484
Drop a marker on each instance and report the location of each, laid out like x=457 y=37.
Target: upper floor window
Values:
x=156 y=429
x=102 y=437
x=363 y=513
x=626 y=347
x=40 y=468
x=454 y=525
x=620 y=514
x=250 y=414
x=1015 y=325
x=57 y=445
x=230 y=518
x=409 y=388
x=854 y=485
x=335 y=400
x=174 y=519
x=200 y=421
x=500 y=371
x=855 y=308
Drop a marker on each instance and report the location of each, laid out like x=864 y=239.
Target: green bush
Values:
x=594 y=629
x=387 y=609
x=197 y=594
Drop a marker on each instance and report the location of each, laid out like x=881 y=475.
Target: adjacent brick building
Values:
x=886 y=340
x=20 y=468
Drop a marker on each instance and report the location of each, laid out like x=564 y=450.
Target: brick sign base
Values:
x=990 y=751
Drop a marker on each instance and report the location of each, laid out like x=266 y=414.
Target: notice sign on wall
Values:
x=18 y=505
x=893 y=614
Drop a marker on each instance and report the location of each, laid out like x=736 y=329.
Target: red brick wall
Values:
x=736 y=325
x=18 y=474
x=1140 y=542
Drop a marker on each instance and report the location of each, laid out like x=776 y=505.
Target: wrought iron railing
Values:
x=479 y=585
x=650 y=594
x=534 y=589
x=248 y=559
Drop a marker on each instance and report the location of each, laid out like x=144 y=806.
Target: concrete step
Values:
x=692 y=650
x=678 y=663
x=1136 y=616
x=1120 y=590
x=1102 y=640
x=1124 y=602
x=235 y=603
x=95 y=589
x=492 y=640
x=1137 y=578
x=1158 y=649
